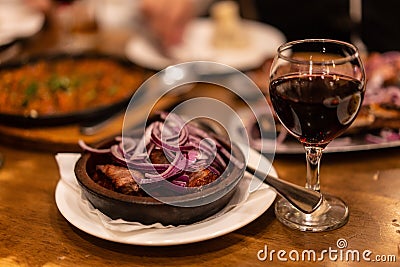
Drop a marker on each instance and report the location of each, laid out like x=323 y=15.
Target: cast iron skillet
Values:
x=84 y=116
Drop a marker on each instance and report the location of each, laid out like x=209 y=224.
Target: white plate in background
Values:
x=18 y=21
x=197 y=45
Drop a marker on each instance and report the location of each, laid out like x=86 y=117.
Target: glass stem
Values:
x=313 y=157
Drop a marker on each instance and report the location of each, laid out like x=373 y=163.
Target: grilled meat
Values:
x=201 y=178
x=121 y=178
x=157 y=157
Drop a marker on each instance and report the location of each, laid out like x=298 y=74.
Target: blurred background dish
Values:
x=285 y=144
x=64 y=89
x=115 y=14
x=18 y=20
x=262 y=42
x=377 y=124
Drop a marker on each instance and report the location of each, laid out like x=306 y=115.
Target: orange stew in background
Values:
x=65 y=85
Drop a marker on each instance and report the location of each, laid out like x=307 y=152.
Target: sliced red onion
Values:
x=386 y=135
x=171 y=170
x=390 y=135
x=128 y=144
x=86 y=147
x=182 y=180
x=179 y=183
x=188 y=148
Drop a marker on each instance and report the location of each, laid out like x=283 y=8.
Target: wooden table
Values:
x=34 y=233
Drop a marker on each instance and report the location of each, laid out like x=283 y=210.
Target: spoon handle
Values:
x=306 y=200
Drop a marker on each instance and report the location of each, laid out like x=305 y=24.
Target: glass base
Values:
x=332 y=214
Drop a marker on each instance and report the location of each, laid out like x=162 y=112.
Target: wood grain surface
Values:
x=34 y=233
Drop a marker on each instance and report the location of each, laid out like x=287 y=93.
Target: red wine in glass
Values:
x=316 y=108
x=316 y=88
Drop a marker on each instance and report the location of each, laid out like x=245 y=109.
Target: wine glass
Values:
x=316 y=89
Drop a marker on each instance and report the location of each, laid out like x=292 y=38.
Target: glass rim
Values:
x=285 y=46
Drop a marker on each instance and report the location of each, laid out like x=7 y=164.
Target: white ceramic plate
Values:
x=263 y=42
x=69 y=204
x=18 y=21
